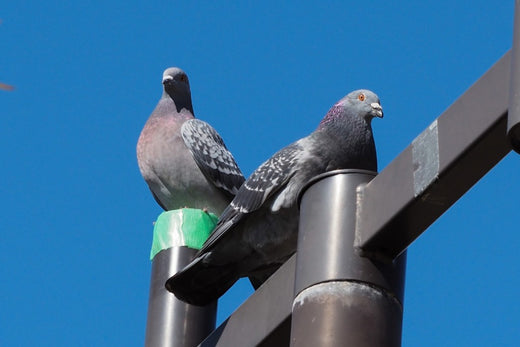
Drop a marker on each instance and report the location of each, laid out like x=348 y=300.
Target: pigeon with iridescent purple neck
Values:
x=184 y=160
x=257 y=232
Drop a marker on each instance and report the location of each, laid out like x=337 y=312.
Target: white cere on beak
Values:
x=167 y=78
x=377 y=108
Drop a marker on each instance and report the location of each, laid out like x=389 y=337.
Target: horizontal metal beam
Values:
x=265 y=318
x=440 y=165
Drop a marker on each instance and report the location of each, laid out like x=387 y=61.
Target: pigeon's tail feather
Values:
x=200 y=284
x=256 y=282
x=258 y=277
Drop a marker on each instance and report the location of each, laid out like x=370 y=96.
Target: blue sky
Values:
x=76 y=224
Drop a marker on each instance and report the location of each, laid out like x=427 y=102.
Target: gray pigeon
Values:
x=184 y=160
x=258 y=231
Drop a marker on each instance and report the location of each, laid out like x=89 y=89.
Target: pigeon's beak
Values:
x=167 y=79
x=377 y=109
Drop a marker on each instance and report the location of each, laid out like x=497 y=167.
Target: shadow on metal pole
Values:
x=341 y=298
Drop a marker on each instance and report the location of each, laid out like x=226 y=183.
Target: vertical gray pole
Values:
x=513 y=118
x=342 y=299
x=170 y=321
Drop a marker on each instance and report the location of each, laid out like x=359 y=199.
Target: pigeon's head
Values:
x=363 y=103
x=176 y=80
x=359 y=104
x=177 y=87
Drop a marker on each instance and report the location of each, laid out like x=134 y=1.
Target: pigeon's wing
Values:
x=268 y=179
x=211 y=155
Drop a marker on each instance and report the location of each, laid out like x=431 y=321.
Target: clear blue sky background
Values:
x=76 y=220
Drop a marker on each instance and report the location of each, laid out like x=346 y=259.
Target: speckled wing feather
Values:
x=211 y=155
x=269 y=178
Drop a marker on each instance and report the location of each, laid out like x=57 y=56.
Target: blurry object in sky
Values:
x=4 y=86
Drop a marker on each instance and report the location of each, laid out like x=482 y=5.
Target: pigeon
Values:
x=258 y=231
x=184 y=160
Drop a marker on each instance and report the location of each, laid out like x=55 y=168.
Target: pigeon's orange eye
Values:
x=183 y=78
x=361 y=97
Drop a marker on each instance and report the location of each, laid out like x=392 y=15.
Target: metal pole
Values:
x=172 y=322
x=513 y=118
x=341 y=298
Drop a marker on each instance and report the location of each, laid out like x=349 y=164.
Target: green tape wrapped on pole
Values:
x=184 y=227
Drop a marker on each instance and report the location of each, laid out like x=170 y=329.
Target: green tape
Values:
x=185 y=227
